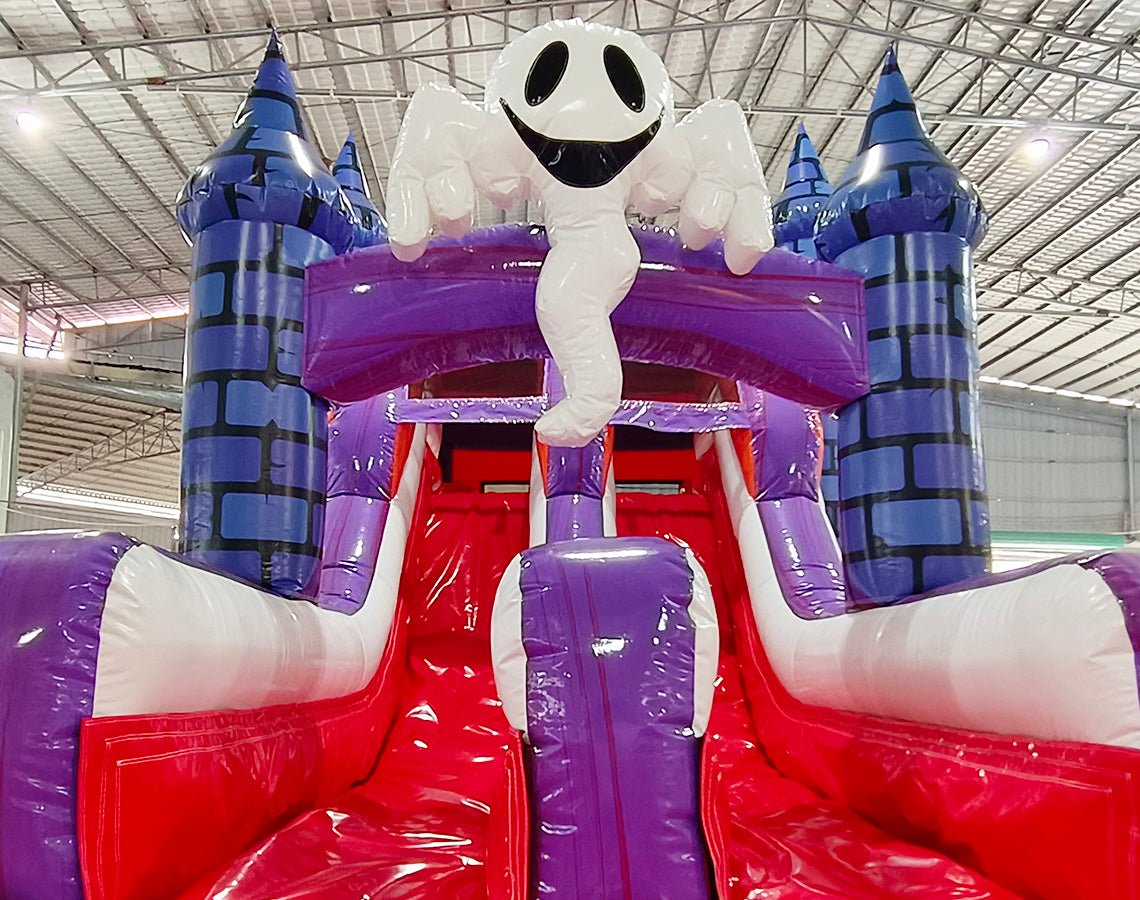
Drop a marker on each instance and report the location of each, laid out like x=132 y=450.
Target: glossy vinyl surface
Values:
x=267 y=170
x=784 y=459
x=611 y=649
x=913 y=512
x=1041 y=818
x=366 y=455
x=771 y=837
x=253 y=440
x=806 y=189
x=419 y=826
x=913 y=508
x=374 y=323
x=899 y=182
x=580 y=117
x=368 y=226
x=441 y=813
x=55 y=586
x=151 y=787
x=687 y=418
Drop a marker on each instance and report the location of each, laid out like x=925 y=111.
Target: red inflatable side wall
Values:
x=508 y=838
x=166 y=799
x=1044 y=819
x=424 y=823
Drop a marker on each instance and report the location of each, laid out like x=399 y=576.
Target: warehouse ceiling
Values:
x=107 y=105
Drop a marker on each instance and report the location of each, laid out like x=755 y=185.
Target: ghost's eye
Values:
x=624 y=77
x=546 y=72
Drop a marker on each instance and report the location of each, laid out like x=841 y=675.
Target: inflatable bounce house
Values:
x=481 y=597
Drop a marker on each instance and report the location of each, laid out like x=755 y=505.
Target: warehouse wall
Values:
x=1056 y=464
x=1053 y=465
x=47 y=517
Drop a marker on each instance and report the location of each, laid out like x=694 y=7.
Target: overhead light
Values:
x=28 y=121
x=1038 y=149
x=106 y=503
x=1060 y=392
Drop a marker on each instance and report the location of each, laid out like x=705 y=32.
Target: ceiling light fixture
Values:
x=1038 y=149
x=59 y=496
x=1060 y=392
x=28 y=121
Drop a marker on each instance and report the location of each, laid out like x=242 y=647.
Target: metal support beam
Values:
x=17 y=410
x=1027 y=25
x=168 y=398
x=1078 y=125
x=147 y=44
x=158 y=435
x=1130 y=474
x=409 y=54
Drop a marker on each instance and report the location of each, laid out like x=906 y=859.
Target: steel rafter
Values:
x=409 y=54
x=156 y=435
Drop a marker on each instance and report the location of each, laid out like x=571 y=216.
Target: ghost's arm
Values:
x=448 y=150
x=708 y=167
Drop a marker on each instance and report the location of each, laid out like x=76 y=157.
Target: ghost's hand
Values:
x=727 y=194
x=431 y=181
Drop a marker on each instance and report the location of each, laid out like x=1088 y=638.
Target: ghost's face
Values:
x=586 y=99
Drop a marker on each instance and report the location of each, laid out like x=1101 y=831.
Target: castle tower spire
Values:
x=806 y=189
x=369 y=227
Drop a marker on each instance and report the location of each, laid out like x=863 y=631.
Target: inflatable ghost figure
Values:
x=579 y=117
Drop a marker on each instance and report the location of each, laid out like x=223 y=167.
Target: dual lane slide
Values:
x=439 y=816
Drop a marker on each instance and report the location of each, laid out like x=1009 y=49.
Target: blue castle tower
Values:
x=258 y=210
x=806 y=190
x=369 y=227
x=912 y=486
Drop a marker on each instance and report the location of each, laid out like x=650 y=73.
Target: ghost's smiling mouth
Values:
x=582 y=164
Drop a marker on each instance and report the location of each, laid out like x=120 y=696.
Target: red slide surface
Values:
x=440 y=812
x=769 y=836
x=418 y=827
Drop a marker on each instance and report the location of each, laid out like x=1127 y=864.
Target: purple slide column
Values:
x=362 y=460
x=575 y=479
x=614 y=764
x=361 y=443
x=785 y=454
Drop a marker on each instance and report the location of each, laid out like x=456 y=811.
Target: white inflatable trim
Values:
x=1047 y=655
x=609 y=505
x=178 y=639
x=706 y=644
x=509 y=657
x=537 y=499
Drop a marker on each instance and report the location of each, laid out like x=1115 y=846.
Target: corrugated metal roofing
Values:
x=133 y=93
